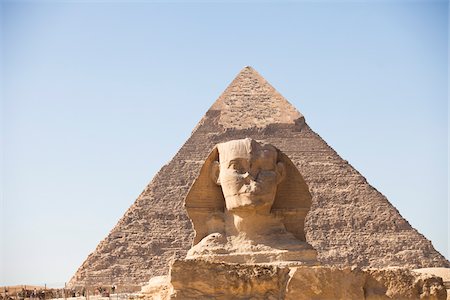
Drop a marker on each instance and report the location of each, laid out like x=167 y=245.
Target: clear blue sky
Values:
x=96 y=97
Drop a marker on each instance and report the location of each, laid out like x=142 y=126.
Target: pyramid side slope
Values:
x=154 y=230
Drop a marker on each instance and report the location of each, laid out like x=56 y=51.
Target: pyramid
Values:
x=350 y=223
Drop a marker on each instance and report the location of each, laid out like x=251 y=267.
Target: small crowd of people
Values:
x=35 y=294
x=43 y=294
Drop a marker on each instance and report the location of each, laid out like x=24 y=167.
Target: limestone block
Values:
x=402 y=284
x=197 y=279
x=158 y=288
x=371 y=284
x=325 y=283
x=444 y=273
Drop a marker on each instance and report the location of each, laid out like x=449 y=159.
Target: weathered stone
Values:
x=198 y=279
x=444 y=273
x=158 y=288
x=354 y=283
x=325 y=283
x=231 y=206
x=402 y=284
x=350 y=223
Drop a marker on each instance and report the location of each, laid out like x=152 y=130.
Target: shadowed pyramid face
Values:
x=249 y=174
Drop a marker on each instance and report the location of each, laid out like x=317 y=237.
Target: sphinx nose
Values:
x=249 y=176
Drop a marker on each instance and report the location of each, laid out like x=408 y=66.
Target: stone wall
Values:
x=196 y=279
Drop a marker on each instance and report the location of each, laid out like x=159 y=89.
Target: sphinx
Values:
x=248 y=205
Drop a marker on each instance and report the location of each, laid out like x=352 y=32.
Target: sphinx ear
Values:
x=281 y=171
x=215 y=171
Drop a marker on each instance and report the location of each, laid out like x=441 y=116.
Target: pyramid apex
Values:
x=249 y=69
x=250 y=101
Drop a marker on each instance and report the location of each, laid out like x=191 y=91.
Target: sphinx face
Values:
x=249 y=175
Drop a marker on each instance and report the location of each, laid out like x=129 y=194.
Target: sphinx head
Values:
x=248 y=174
x=241 y=178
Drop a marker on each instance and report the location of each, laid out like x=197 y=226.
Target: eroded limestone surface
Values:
x=231 y=204
x=198 y=279
x=250 y=101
